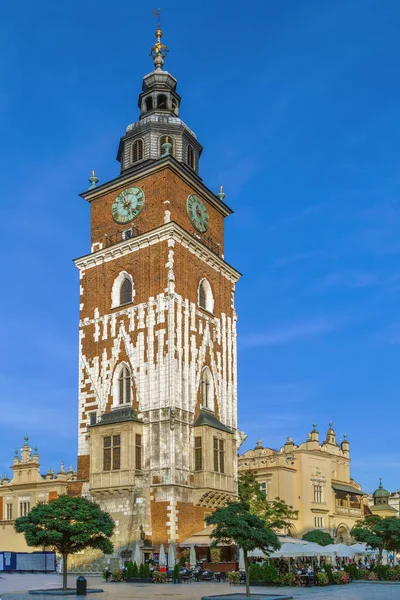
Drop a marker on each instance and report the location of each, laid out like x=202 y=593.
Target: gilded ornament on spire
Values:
x=159 y=51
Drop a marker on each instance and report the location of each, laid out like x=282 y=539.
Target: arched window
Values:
x=149 y=103
x=137 y=151
x=162 y=101
x=207 y=389
x=163 y=140
x=205 y=296
x=190 y=157
x=123 y=290
x=125 y=293
x=124 y=386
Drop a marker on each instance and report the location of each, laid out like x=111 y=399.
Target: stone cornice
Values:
x=164 y=233
x=168 y=162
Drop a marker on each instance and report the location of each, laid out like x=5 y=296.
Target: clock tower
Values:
x=158 y=436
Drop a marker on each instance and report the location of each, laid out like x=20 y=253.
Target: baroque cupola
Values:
x=330 y=435
x=159 y=132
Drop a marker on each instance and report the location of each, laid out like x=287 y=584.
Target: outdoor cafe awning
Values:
x=201 y=538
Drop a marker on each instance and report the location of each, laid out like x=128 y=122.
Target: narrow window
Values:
x=264 y=489
x=205 y=388
x=111 y=452
x=137 y=151
x=116 y=452
x=149 y=103
x=162 y=101
x=9 y=512
x=163 y=140
x=216 y=455
x=125 y=294
x=221 y=456
x=124 y=385
x=202 y=295
x=205 y=296
x=190 y=157
x=24 y=508
x=107 y=453
x=138 y=452
x=198 y=454
x=93 y=418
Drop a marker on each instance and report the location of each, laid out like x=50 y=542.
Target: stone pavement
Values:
x=15 y=587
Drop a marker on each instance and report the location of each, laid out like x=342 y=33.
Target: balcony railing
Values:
x=121 y=236
x=131 y=232
x=350 y=511
x=209 y=242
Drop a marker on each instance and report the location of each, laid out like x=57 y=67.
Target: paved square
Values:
x=17 y=586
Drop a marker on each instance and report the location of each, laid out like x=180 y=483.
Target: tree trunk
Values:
x=246 y=570
x=65 y=572
x=380 y=556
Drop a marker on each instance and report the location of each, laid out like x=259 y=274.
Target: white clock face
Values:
x=127 y=205
x=197 y=212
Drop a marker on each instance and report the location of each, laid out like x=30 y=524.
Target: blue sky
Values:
x=297 y=106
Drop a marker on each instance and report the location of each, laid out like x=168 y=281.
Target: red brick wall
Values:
x=158 y=188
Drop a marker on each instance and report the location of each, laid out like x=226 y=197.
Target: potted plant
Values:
x=176 y=574
x=215 y=555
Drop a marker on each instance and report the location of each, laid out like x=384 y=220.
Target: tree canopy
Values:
x=68 y=525
x=319 y=537
x=235 y=523
x=378 y=532
x=275 y=513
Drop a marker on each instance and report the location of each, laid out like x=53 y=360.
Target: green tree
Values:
x=235 y=523
x=319 y=537
x=68 y=525
x=378 y=532
x=275 y=513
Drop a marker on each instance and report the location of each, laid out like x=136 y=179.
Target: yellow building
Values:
x=26 y=489
x=313 y=478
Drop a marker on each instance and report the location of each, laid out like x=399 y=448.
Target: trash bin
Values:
x=81 y=586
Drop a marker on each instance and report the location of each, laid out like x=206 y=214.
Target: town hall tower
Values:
x=158 y=436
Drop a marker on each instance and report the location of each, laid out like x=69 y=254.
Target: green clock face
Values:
x=127 y=205
x=197 y=212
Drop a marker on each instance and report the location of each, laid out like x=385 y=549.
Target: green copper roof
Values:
x=343 y=487
x=381 y=492
x=119 y=415
x=208 y=418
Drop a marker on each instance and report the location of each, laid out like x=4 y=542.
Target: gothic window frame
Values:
x=207 y=389
x=205 y=297
x=116 y=290
x=137 y=151
x=162 y=139
x=121 y=396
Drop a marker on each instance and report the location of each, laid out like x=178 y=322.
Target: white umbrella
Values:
x=192 y=557
x=362 y=549
x=137 y=557
x=171 y=556
x=162 y=559
x=241 y=560
x=341 y=550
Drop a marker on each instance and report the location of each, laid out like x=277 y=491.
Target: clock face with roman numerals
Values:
x=197 y=212
x=127 y=205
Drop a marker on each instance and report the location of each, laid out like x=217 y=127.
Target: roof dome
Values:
x=381 y=492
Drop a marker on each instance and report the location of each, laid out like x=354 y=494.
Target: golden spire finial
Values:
x=159 y=51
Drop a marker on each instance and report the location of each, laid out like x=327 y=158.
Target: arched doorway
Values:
x=343 y=534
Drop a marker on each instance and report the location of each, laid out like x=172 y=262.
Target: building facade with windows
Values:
x=158 y=436
x=314 y=478
x=25 y=489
